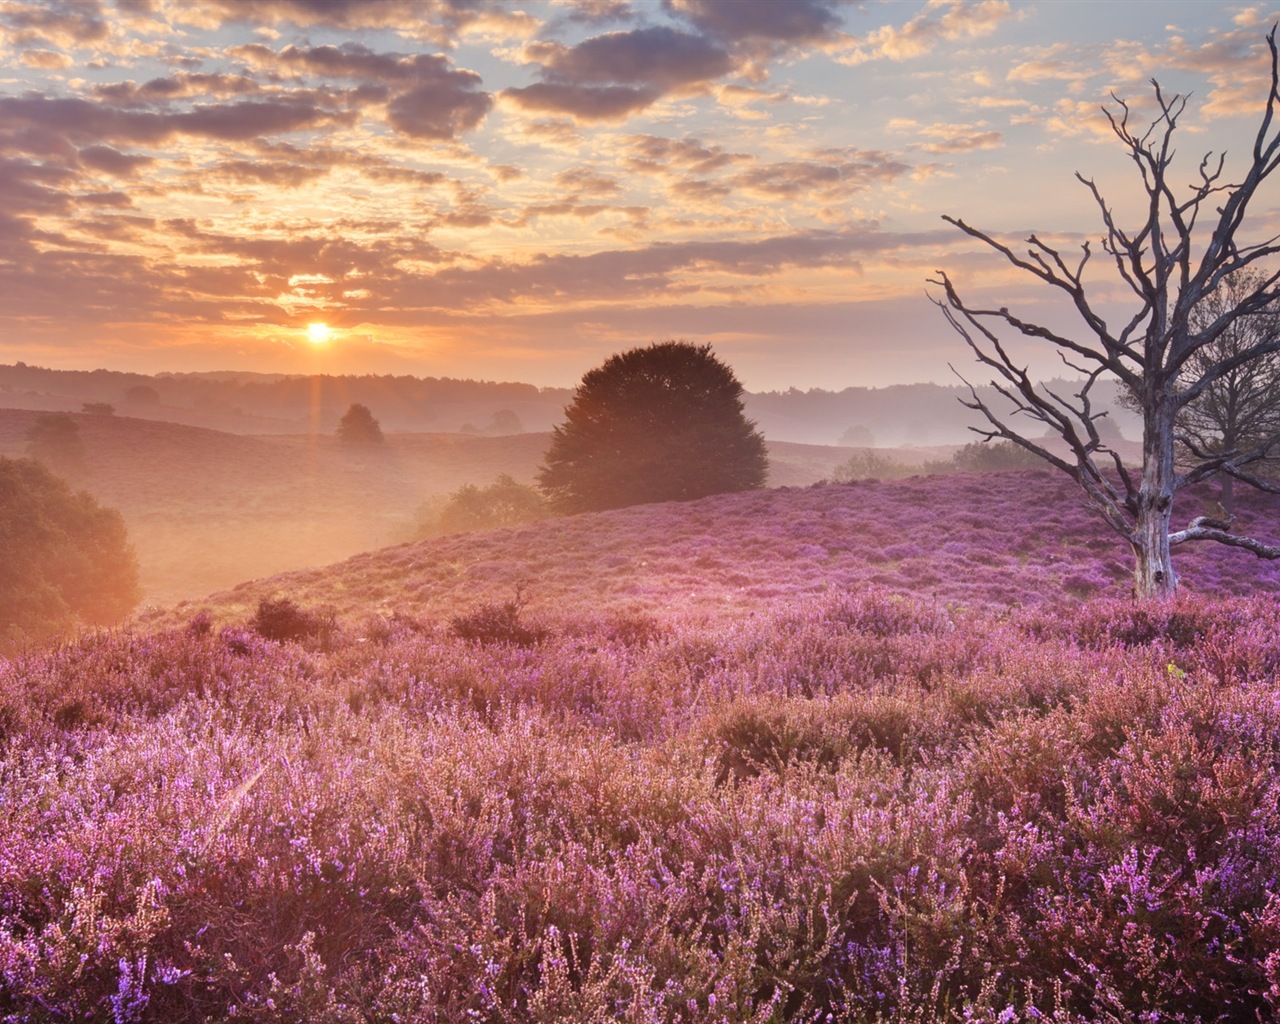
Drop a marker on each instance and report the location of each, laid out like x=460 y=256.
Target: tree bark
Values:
x=1153 y=573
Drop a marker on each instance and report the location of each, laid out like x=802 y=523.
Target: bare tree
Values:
x=1163 y=352
x=1241 y=408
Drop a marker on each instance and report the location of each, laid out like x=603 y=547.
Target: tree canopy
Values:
x=358 y=425
x=64 y=559
x=660 y=423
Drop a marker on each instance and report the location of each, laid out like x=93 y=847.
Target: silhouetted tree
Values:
x=662 y=423
x=142 y=394
x=1163 y=351
x=357 y=424
x=54 y=439
x=64 y=559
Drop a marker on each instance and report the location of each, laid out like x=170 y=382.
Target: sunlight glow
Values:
x=318 y=333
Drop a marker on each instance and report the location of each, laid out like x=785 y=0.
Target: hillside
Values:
x=208 y=509
x=762 y=757
x=993 y=541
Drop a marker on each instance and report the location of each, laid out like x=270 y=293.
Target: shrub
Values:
x=503 y=503
x=869 y=464
x=994 y=456
x=282 y=619
x=498 y=623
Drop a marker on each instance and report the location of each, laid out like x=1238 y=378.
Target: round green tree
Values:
x=64 y=559
x=662 y=423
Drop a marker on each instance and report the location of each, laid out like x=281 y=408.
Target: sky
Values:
x=515 y=191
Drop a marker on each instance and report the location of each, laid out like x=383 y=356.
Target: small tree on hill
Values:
x=54 y=439
x=662 y=423
x=64 y=559
x=358 y=425
x=1165 y=351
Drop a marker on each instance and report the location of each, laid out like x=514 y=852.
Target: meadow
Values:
x=872 y=752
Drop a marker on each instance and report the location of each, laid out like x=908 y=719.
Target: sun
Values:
x=318 y=333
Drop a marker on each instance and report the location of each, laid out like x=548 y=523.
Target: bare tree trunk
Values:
x=1153 y=574
x=1228 y=496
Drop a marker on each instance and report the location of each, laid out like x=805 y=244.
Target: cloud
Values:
x=440 y=21
x=48 y=60
x=258 y=172
x=86 y=122
x=653 y=154
x=429 y=98
x=657 y=56
x=1048 y=69
x=55 y=23
x=585 y=181
x=951 y=138
x=830 y=175
x=943 y=21
x=180 y=86
x=112 y=161
x=779 y=21
x=611 y=76
x=440 y=108
x=583 y=103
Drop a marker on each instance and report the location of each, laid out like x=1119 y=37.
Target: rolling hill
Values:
x=208 y=509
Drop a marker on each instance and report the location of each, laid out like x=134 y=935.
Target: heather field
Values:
x=995 y=540
x=842 y=753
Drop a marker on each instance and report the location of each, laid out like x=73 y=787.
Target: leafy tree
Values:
x=662 y=423
x=64 y=559
x=503 y=503
x=1164 y=350
x=142 y=394
x=54 y=439
x=98 y=408
x=358 y=425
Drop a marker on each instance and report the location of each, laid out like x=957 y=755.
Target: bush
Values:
x=871 y=465
x=282 y=619
x=994 y=457
x=359 y=426
x=64 y=559
x=663 y=423
x=498 y=623
x=503 y=503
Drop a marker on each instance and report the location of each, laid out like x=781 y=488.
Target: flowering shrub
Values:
x=859 y=806
x=993 y=540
